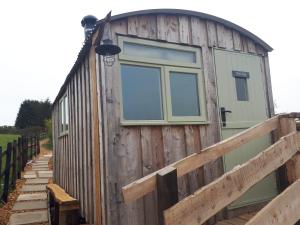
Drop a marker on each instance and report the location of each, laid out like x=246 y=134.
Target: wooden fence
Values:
x=14 y=159
x=210 y=199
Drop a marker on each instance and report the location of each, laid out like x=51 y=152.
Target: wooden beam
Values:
x=293 y=168
x=147 y=184
x=209 y=200
x=167 y=191
x=282 y=210
x=287 y=125
x=95 y=133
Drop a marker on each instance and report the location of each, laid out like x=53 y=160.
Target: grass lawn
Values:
x=5 y=138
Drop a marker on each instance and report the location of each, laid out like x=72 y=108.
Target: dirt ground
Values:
x=6 y=209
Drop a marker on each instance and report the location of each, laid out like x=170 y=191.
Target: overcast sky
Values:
x=40 y=40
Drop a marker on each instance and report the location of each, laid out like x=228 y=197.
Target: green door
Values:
x=243 y=104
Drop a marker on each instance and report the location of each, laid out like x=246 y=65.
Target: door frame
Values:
x=280 y=175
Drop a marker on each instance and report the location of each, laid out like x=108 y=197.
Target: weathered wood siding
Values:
x=73 y=168
x=132 y=152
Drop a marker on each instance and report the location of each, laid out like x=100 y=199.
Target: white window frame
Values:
x=63 y=124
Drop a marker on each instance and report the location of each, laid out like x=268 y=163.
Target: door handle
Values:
x=223 y=115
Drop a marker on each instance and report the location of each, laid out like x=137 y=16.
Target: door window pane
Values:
x=241 y=89
x=141 y=92
x=184 y=94
x=154 y=52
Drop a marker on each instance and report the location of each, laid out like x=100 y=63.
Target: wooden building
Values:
x=184 y=80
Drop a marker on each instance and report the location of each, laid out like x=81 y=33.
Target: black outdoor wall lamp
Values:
x=108 y=50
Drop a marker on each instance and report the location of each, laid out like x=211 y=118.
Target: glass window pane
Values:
x=184 y=94
x=61 y=116
x=241 y=89
x=141 y=92
x=158 y=52
x=66 y=113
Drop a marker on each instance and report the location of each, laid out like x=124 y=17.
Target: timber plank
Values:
x=184 y=30
x=282 y=210
x=200 y=206
x=198 y=32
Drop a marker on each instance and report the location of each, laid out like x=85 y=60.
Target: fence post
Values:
x=31 y=147
x=167 y=191
x=286 y=125
x=24 y=151
x=19 y=159
x=0 y=167
x=38 y=144
x=14 y=164
x=7 y=172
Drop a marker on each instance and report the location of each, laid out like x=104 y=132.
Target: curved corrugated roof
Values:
x=85 y=49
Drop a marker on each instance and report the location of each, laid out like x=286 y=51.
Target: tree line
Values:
x=32 y=117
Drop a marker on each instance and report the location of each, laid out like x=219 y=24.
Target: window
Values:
x=241 y=85
x=63 y=115
x=141 y=91
x=161 y=83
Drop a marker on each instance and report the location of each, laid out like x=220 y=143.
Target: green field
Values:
x=5 y=138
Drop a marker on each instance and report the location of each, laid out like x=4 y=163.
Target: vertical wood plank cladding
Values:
x=152 y=160
x=224 y=36
x=184 y=30
x=193 y=145
x=199 y=32
x=161 y=34
x=212 y=34
x=268 y=85
x=130 y=162
x=76 y=146
x=172 y=29
x=71 y=135
x=68 y=144
x=132 y=25
x=244 y=43
x=104 y=137
x=80 y=143
x=237 y=43
x=174 y=149
x=89 y=144
x=251 y=46
x=84 y=144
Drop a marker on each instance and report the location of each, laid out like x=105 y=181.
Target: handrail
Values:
x=147 y=184
x=282 y=210
x=200 y=206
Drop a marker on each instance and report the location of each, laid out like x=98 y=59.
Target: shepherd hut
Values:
x=183 y=80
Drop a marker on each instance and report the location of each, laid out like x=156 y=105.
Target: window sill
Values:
x=65 y=133
x=162 y=123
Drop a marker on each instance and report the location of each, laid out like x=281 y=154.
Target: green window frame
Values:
x=166 y=67
x=63 y=115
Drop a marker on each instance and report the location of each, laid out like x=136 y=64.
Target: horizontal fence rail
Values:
x=212 y=198
x=13 y=161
